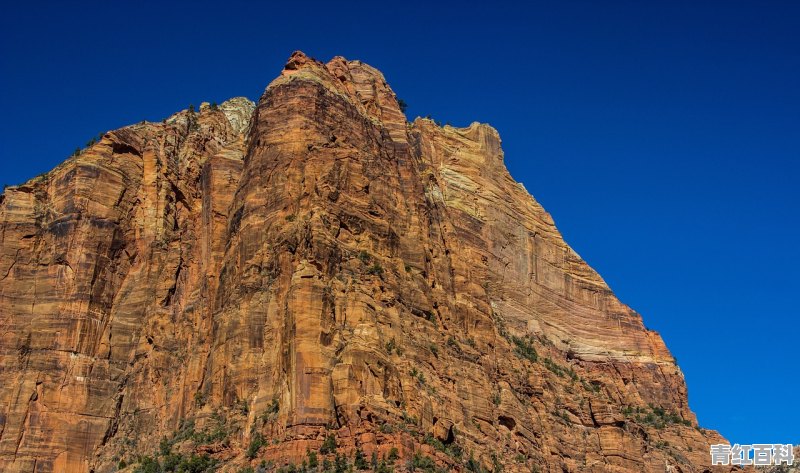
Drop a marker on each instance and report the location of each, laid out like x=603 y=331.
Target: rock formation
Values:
x=314 y=276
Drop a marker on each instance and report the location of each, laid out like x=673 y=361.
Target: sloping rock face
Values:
x=256 y=284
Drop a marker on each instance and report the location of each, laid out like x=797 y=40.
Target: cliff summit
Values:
x=314 y=281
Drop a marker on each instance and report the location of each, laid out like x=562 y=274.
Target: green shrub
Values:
x=421 y=378
x=422 y=462
x=474 y=465
x=386 y=428
x=199 y=399
x=384 y=467
x=524 y=348
x=557 y=369
x=434 y=442
x=590 y=386
x=497 y=467
x=255 y=445
x=196 y=464
x=654 y=416
x=290 y=468
x=177 y=463
x=329 y=445
x=451 y=450
x=496 y=399
x=312 y=459
x=394 y=454
x=172 y=461
x=148 y=464
x=191 y=119
x=573 y=376
x=360 y=461
x=165 y=447
x=452 y=342
x=561 y=414
x=271 y=411
x=375 y=270
x=215 y=434
x=409 y=419
x=340 y=464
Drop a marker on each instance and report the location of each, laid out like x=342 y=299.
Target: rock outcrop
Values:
x=315 y=276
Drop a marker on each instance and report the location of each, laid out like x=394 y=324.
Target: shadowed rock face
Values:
x=315 y=265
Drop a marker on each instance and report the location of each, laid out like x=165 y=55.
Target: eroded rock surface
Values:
x=316 y=266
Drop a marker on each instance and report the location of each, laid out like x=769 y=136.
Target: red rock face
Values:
x=316 y=266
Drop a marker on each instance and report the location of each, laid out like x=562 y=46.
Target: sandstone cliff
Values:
x=315 y=276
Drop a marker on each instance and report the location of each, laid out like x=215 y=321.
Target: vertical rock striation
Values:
x=314 y=266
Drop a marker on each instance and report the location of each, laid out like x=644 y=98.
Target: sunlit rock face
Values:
x=311 y=266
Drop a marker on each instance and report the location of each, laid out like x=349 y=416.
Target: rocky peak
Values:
x=238 y=111
x=361 y=85
x=297 y=61
x=315 y=274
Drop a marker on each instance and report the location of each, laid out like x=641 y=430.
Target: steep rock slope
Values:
x=255 y=283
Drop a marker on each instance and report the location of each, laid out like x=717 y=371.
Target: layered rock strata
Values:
x=249 y=281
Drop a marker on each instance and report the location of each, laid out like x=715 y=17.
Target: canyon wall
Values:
x=315 y=266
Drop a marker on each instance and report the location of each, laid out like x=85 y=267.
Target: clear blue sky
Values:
x=664 y=137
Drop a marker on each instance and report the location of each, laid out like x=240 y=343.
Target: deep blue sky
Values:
x=664 y=137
